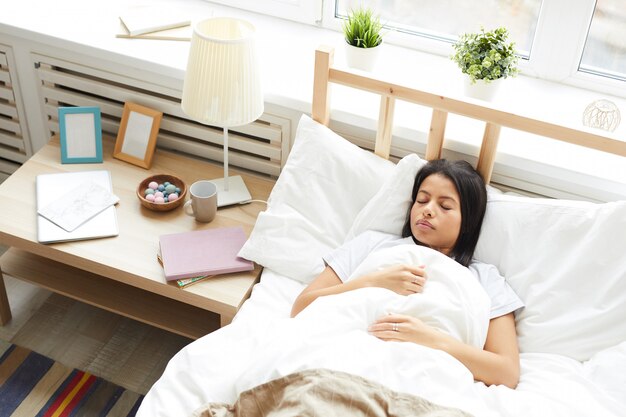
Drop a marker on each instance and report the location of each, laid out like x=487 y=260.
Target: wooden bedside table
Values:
x=122 y=274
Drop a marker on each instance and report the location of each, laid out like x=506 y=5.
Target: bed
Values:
x=563 y=258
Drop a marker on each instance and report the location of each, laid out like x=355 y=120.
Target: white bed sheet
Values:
x=550 y=385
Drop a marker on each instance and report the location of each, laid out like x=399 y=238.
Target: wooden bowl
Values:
x=160 y=179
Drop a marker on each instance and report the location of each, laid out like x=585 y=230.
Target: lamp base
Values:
x=237 y=191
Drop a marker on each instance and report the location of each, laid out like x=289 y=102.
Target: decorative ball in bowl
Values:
x=161 y=192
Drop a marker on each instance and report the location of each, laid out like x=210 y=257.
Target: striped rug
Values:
x=34 y=385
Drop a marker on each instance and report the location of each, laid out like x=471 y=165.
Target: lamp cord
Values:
x=253 y=201
x=225 y=159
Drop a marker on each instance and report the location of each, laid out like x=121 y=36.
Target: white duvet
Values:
x=262 y=344
x=332 y=333
x=453 y=301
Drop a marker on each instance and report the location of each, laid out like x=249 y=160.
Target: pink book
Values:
x=203 y=252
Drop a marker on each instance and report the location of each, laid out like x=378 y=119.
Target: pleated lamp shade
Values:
x=222 y=84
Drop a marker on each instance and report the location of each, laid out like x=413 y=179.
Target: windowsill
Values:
x=287 y=53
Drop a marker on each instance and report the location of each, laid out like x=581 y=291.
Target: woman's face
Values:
x=436 y=214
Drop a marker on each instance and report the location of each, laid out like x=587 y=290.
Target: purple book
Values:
x=203 y=252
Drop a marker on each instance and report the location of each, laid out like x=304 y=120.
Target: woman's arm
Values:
x=326 y=283
x=402 y=279
x=496 y=364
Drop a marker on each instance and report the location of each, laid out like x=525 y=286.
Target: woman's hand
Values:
x=497 y=363
x=401 y=328
x=401 y=279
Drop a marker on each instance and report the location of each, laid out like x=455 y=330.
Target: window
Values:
x=605 y=48
x=578 y=42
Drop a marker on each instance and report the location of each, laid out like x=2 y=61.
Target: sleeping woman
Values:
x=449 y=203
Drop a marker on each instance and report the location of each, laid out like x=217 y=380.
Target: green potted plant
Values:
x=363 y=34
x=486 y=58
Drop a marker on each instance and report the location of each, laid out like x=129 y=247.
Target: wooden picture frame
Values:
x=80 y=132
x=136 y=138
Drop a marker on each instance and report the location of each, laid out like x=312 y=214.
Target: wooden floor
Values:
x=121 y=350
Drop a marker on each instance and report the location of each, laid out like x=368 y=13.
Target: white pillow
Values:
x=387 y=210
x=323 y=186
x=565 y=259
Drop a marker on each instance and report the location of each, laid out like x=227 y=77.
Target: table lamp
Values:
x=222 y=87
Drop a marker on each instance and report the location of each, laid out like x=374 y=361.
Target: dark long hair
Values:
x=473 y=194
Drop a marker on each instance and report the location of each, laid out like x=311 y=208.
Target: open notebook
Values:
x=50 y=186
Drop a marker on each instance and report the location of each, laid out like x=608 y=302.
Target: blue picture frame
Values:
x=80 y=132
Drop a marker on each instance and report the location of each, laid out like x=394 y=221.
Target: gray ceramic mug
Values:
x=203 y=201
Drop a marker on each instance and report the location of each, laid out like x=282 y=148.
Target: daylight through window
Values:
x=605 y=48
x=446 y=19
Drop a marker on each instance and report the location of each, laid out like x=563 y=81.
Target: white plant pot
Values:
x=362 y=58
x=482 y=90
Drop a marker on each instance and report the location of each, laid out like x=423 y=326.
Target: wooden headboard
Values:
x=441 y=106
